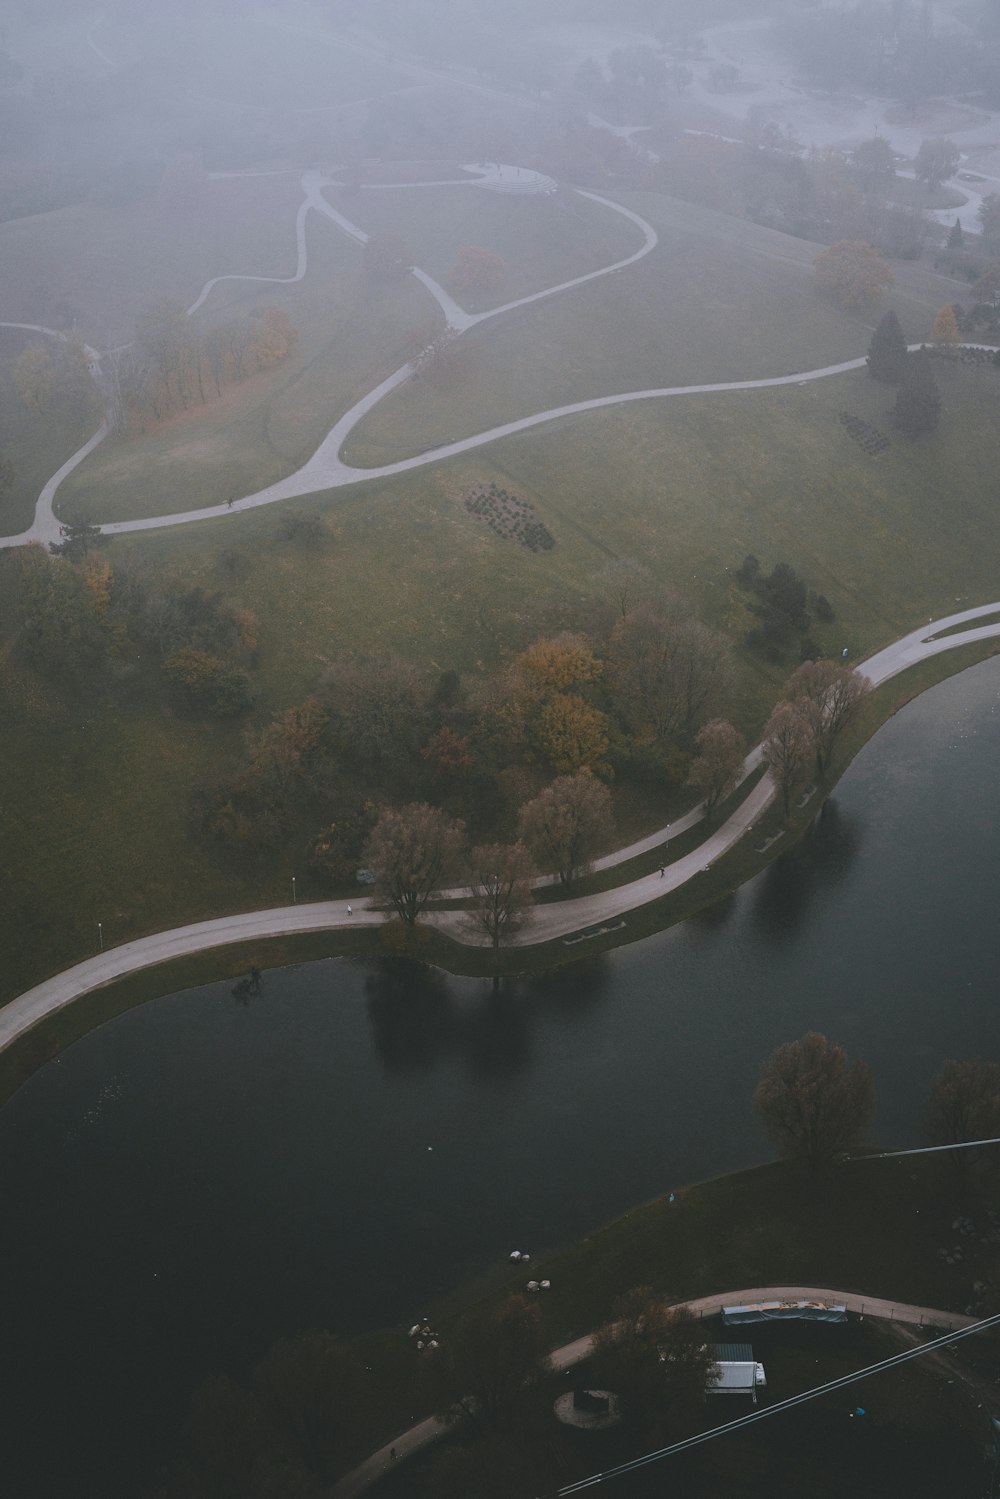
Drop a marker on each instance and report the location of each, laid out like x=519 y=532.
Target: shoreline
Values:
x=37 y=1025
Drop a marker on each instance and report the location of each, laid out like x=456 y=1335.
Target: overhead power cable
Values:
x=783 y=1405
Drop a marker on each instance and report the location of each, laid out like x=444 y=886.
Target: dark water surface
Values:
x=199 y=1177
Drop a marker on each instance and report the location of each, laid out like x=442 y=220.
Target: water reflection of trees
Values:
x=418 y=1020
x=823 y=858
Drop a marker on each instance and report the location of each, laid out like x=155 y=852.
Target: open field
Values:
x=689 y=485
x=104 y=263
x=702 y=308
x=34 y=445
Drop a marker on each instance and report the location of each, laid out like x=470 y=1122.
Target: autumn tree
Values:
x=887 y=351
x=555 y=722
x=656 y=1358
x=567 y=824
x=937 y=159
x=964 y=1105
x=35 y=378
x=477 y=270
x=813 y=1102
x=717 y=768
x=829 y=697
x=917 y=409
x=490 y=1361
x=282 y=748
x=786 y=749
x=853 y=273
x=379 y=705
x=945 y=329
x=502 y=876
x=413 y=851
x=668 y=671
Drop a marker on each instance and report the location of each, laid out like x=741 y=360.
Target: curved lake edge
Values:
x=26 y=1053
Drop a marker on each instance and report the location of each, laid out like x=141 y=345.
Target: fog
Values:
x=395 y=396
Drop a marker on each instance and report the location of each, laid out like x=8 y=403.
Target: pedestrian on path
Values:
x=230 y=504
x=350 y=912
x=662 y=871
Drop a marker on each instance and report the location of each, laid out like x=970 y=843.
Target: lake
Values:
x=201 y=1175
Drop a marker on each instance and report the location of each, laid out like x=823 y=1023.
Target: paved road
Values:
x=561 y=919
x=430 y=1430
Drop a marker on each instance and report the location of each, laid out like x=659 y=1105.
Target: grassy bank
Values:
x=704 y=892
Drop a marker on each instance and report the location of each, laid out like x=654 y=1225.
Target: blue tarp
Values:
x=780 y=1311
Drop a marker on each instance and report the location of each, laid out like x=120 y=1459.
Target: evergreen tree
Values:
x=887 y=354
x=918 y=404
x=956 y=239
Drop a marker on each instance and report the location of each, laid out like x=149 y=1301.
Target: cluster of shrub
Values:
x=509 y=516
x=85 y=625
x=782 y=608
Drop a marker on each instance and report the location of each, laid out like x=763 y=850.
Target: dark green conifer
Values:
x=918 y=404
x=887 y=351
x=956 y=239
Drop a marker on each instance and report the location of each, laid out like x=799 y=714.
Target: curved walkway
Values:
x=549 y=921
x=430 y=1430
x=324 y=470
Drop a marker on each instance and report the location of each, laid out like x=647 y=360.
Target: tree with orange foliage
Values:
x=945 y=329
x=853 y=272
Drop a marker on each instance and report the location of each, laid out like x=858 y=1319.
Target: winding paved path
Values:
x=560 y=919
x=421 y=1435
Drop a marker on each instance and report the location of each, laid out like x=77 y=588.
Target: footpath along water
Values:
x=204 y=1175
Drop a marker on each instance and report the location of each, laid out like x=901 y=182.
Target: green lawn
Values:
x=689 y=485
x=106 y=263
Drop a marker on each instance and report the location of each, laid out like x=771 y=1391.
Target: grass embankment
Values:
x=769 y=840
x=689 y=486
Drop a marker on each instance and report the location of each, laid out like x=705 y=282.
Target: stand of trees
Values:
x=173 y=364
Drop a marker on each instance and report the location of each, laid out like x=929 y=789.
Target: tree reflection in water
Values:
x=417 y=1021
x=824 y=857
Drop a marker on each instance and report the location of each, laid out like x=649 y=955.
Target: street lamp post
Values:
x=100 y=936
x=294 y=896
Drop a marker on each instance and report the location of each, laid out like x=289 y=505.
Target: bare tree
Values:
x=829 y=697
x=655 y=1357
x=567 y=824
x=502 y=876
x=787 y=743
x=668 y=672
x=812 y=1101
x=718 y=766
x=413 y=851
x=490 y=1360
x=964 y=1104
x=627 y=583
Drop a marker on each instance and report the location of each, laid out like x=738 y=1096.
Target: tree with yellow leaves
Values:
x=945 y=329
x=854 y=274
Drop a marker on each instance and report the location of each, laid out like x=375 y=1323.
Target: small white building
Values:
x=739 y=1373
